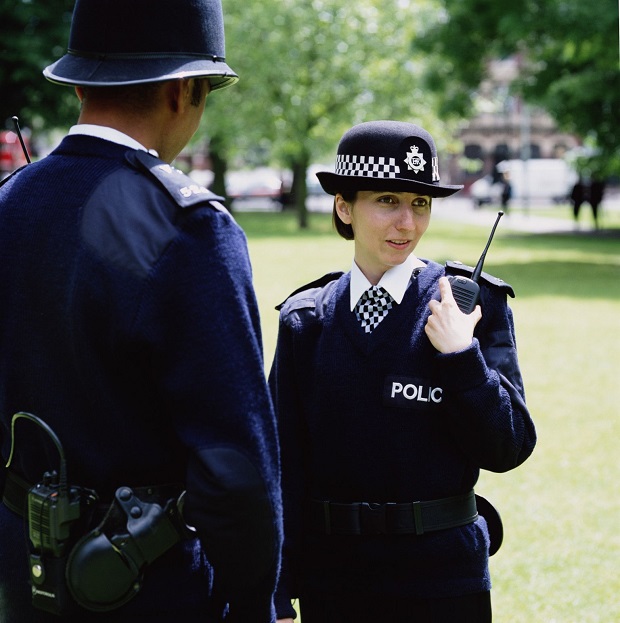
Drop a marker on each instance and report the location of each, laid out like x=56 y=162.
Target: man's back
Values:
x=127 y=322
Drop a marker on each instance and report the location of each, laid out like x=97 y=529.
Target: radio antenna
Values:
x=39 y=422
x=478 y=270
x=21 y=139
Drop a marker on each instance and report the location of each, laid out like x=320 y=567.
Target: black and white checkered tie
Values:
x=373 y=307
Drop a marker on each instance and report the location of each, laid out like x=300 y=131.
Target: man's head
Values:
x=116 y=42
x=162 y=116
x=138 y=99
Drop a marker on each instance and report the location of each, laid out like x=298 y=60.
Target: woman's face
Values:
x=387 y=227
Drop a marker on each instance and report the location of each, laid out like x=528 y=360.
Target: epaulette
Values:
x=317 y=283
x=179 y=186
x=8 y=177
x=458 y=268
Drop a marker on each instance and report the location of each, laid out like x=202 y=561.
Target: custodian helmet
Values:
x=122 y=42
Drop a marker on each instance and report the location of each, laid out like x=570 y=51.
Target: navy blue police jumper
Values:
x=384 y=417
x=129 y=324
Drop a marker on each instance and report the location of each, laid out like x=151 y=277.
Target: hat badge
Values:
x=415 y=160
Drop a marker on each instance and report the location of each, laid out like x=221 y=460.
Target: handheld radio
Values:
x=466 y=291
x=55 y=511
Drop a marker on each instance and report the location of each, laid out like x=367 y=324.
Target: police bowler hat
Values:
x=386 y=155
x=122 y=42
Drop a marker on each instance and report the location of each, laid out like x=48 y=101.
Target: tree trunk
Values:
x=219 y=165
x=300 y=191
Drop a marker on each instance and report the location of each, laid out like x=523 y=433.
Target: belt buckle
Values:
x=372 y=518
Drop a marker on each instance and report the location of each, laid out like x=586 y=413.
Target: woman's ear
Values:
x=343 y=209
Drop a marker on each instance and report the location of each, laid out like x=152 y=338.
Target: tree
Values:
x=569 y=54
x=311 y=69
x=34 y=34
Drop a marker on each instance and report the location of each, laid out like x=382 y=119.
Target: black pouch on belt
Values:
x=105 y=568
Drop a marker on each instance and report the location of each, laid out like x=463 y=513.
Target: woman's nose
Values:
x=405 y=218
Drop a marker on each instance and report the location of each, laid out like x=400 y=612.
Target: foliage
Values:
x=34 y=34
x=310 y=70
x=569 y=60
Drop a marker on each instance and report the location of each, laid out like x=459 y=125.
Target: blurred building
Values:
x=505 y=128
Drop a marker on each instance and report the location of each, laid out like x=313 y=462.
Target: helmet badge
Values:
x=415 y=160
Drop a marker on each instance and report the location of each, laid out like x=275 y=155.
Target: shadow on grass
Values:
x=580 y=280
x=602 y=241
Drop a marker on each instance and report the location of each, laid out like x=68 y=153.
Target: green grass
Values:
x=561 y=509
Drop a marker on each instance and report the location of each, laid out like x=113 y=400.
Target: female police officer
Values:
x=390 y=400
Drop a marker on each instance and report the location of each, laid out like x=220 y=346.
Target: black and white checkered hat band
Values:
x=367 y=166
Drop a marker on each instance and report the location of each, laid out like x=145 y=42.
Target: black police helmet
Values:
x=122 y=42
x=386 y=155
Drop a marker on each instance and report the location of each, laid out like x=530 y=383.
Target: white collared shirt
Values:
x=109 y=134
x=395 y=280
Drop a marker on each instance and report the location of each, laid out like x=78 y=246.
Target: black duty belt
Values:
x=15 y=494
x=393 y=518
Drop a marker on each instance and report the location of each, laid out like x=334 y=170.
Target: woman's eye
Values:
x=387 y=199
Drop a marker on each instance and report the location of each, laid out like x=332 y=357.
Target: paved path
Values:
x=521 y=219
x=461 y=209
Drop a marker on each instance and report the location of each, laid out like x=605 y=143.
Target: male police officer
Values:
x=129 y=327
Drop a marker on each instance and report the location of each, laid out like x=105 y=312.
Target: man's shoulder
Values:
x=184 y=191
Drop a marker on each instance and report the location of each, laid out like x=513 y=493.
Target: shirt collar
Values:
x=109 y=134
x=395 y=280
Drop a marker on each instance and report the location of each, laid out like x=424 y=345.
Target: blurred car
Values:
x=547 y=179
x=261 y=182
x=312 y=181
x=484 y=191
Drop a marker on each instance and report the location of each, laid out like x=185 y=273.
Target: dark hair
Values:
x=139 y=98
x=344 y=229
x=197 y=90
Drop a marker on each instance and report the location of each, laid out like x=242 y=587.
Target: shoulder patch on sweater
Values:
x=458 y=268
x=180 y=187
x=317 y=283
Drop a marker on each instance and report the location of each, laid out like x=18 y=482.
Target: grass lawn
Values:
x=561 y=509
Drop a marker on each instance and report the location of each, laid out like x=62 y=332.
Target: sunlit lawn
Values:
x=560 y=560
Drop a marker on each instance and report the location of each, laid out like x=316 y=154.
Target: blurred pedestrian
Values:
x=390 y=401
x=577 y=197
x=130 y=335
x=506 y=190
x=596 y=194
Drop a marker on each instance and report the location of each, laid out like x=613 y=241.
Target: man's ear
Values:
x=343 y=209
x=178 y=94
